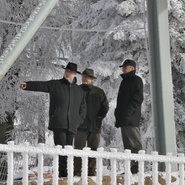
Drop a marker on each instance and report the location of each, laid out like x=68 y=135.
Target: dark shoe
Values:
x=62 y=174
x=91 y=174
x=78 y=174
x=134 y=169
x=122 y=173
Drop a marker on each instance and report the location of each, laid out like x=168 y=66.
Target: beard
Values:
x=69 y=79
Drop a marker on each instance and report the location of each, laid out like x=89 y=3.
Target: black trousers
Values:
x=132 y=140
x=93 y=140
x=63 y=137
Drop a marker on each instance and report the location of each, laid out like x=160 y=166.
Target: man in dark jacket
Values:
x=89 y=131
x=128 y=109
x=67 y=108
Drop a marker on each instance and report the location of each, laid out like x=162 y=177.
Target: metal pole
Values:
x=161 y=77
x=25 y=34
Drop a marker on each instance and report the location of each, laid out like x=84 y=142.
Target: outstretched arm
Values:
x=39 y=86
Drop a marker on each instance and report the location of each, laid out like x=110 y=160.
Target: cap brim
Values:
x=125 y=65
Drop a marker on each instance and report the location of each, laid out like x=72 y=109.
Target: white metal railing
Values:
x=100 y=154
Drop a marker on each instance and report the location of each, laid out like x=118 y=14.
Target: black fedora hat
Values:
x=72 y=67
x=128 y=62
x=89 y=72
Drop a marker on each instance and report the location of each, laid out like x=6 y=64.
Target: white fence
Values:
x=113 y=155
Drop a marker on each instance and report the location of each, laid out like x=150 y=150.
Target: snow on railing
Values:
x=100 y=154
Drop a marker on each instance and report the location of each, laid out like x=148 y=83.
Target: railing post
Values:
x=99 y=165
x=55 y=165
x=155 y=170
x=25 y=165
x=10 y=164
x=113 y=168
x=181 y=170
x=85 y=167
x=127 y=168
x=141 y=168
x=70 y=164
x=40 y=166
x=168 y=170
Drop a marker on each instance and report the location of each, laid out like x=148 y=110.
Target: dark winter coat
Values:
x=97 y=108
x=67 y=103
x=129 y=100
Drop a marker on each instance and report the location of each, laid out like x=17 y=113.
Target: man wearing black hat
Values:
x=89 y=131
x=128 y=109
x=67 y=108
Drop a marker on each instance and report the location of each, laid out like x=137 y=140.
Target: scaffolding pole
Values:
x=161 y=77
x=25 y=34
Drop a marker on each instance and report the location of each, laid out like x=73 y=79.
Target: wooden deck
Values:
x=91 y=181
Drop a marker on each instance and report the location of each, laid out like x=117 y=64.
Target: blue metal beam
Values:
x=161 y=77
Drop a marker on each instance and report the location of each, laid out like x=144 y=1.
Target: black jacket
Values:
x=97 y=108
x=129 y=100
x=67 y=103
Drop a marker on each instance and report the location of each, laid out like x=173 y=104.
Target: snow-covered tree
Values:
x=38 y=61
x=99 y=34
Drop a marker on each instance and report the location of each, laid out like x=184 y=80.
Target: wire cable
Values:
x=66 y=29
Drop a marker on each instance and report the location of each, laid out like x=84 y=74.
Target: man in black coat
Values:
x=89 y=131
x=128 y=109
x=67 y=108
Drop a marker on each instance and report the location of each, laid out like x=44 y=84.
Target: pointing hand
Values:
x=23 y=85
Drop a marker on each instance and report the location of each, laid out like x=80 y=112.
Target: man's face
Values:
x=86 y=79
x=127 y=69
x=69 y=75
